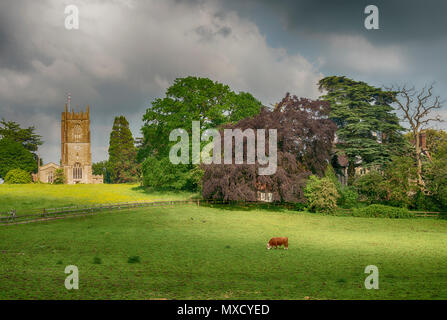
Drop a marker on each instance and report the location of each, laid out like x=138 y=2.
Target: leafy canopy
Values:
x=304 y=143
x=192 y=99
x=188 y=99
x=27 y=137
x=13 y=155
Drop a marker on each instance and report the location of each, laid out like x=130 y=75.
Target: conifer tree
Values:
x=122 y=153
x=368 y=133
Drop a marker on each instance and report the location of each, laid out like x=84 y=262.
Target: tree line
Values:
x=353 y=131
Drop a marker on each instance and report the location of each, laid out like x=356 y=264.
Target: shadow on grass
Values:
x=166 y=191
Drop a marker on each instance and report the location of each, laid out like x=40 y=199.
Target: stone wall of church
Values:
x=86 y=174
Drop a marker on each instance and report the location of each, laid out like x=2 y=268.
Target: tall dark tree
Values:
x=304 y=143
x=368 y=131
x=122 y=153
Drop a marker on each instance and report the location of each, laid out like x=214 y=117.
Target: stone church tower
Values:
x=76 y=156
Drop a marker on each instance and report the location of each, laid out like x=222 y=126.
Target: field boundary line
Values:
x=48 y=214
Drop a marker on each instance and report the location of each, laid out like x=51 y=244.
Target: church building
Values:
x=76 y=156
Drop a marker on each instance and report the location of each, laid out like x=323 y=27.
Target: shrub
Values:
x=368 y=186
x=382 y=211
x=299 y=206
x=59 y=176
x=17 y=176
x=162 y=174
x=426 y=202
x=395 y=185
x=348 y=197
x=321 y=194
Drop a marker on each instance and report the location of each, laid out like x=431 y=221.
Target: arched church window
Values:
x=77 y=133
x=77 y=171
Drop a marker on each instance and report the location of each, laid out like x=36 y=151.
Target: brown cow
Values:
x=275 y=242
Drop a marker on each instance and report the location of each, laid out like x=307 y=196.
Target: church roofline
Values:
x=48 y=164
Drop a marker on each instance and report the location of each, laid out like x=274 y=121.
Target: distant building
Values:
x=76 y=157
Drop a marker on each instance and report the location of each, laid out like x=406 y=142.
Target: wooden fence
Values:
x=43 y=214
x=417 y=213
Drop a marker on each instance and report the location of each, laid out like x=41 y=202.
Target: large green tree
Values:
x=188 y=99
x=192 y=99
x=122 y=164
x=13 y=155
x=368 y=133
x=27 y=137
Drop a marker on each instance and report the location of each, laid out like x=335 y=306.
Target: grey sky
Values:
x=126 y=53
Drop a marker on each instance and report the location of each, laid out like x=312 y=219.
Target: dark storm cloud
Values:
x=12 y=53
x=400 y=21
x=125 y=54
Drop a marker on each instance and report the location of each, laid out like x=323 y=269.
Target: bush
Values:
x=382 y=211
x=395 y=185
x=17 y=176
x=321 y=194
x=348 y=197
x=426 y=202
x=59 y=176
x=368 y=186
x=162 y=174
x=299 y=206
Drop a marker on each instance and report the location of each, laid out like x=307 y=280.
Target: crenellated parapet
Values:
x=67 y=115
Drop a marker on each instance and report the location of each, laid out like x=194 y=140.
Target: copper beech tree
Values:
x=304 y=143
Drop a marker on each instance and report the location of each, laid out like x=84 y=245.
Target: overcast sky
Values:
x=126 y=53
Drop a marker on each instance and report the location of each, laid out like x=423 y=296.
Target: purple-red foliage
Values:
x=305 y=136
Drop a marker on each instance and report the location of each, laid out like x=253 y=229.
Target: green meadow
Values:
x=23 y=197
x=216 y=252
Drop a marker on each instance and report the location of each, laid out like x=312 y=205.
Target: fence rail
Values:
x=54 y=213
x=43 y=214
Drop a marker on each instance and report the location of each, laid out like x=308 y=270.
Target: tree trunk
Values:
x=351 y=172
x=418 y=160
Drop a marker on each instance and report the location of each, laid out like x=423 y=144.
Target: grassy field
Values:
x=29 y=196
x=191 y=252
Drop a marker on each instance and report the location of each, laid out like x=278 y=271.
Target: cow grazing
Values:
x=275 y=242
